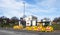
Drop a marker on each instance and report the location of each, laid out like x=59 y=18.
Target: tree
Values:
x=56 y=19
x=4 y=21
x=14 y=20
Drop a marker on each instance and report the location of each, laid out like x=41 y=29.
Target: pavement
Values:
x=23 y=32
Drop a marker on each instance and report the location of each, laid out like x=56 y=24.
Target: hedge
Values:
x=56 y=26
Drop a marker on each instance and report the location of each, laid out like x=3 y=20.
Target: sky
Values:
x=39 y=8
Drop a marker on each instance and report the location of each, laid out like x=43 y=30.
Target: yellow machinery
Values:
x=34 y=28
x=40 y=28
x=49 y=29
x=17 y=27
x=28 y=28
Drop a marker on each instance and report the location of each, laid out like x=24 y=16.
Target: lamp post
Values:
x=23 y=13
x=24 y=10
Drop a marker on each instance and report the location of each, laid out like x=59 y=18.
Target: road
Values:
x=4 y=32
x=13 y=32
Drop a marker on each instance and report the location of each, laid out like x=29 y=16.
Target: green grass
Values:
x=56 y=26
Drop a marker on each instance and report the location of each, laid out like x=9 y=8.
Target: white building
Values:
x=31 y=20
x=46 y=21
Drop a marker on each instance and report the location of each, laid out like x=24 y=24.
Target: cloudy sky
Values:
x=38 y=8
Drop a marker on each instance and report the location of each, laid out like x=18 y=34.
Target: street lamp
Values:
x=23 y=9
x=23 y=12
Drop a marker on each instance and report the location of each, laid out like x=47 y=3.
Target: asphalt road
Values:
x=5 y=32
x=18 y=32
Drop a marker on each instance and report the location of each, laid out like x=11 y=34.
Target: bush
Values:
x=56 y=26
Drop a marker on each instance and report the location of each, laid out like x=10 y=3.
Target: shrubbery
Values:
x=56 y=26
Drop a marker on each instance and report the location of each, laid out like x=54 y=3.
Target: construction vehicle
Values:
x=40 y=28
x=18 y=27
x=28 y=28
x=49 y=29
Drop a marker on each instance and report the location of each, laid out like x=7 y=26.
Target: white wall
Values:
x=28 y=21
x=34 y=22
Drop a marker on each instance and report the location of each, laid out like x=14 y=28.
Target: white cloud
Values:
x=46 y=6
x=13 y=8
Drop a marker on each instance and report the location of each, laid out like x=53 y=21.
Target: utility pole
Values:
x=24 y=10
x=23 y=13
